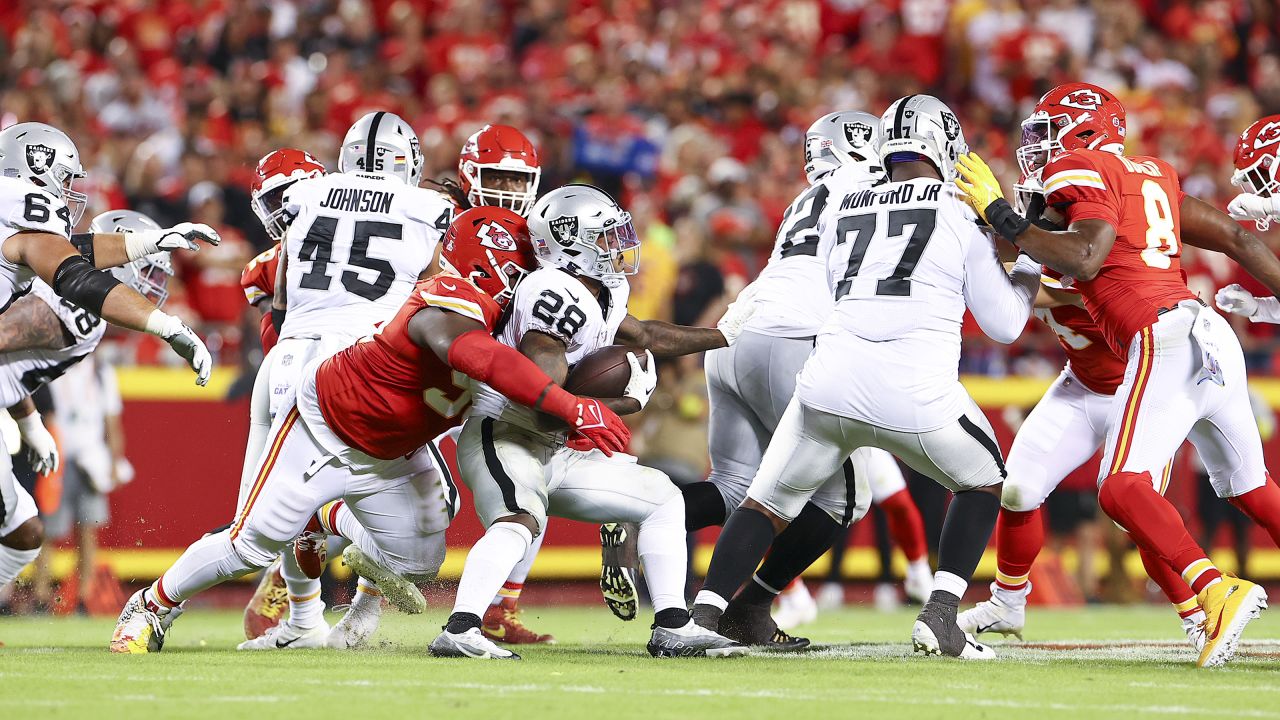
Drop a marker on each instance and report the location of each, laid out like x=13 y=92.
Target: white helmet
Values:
x=842 y=138
x=44 y=156
x=925 y=126
x=382 y=142
x=149 y=275
x=581 y=230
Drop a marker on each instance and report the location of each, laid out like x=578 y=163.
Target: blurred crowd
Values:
x=691 y=112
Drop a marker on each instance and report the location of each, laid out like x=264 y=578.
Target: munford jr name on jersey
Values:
x=900 y=195
x=357 y=200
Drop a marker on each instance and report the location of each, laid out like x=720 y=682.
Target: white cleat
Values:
x=287 y=637
x=156 y=642
x=398 y=591
x=924 y=640
x=994 y=615
x=692 y=640
x=469 y=644
x=1194 y=628
x=918 y=583
x=139 y=628
x=355 y=628
x=795 y=607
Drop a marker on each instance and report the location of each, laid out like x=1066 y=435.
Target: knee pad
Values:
x=1115 y=490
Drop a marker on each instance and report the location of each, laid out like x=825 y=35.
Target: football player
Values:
x=1257 y=175
x=358 y=426
x=904 y=260
x=1185 y=374
x=39 y=165
x=520 y=471
x=41 y=336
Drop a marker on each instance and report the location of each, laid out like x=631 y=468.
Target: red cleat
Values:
x=266 y=607
x=502 y=623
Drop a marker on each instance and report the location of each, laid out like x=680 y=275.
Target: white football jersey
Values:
x=22 y=371
x=355 y=247
x=25 y=207
x=554 y=302
x=904 y=259
x=792 y=297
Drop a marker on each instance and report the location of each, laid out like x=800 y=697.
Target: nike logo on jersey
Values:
x=447 y=286
x=571 y=295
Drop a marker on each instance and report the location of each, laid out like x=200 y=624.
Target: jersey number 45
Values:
x=317 y=248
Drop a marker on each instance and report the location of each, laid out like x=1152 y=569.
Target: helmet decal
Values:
x=493 y=235
x=950 y=125
x=858 y=134
x=39 y=158
x=1269 y=134
x=1083 y=99
x=565 y=229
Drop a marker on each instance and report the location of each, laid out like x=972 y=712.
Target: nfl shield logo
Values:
x=39 y=158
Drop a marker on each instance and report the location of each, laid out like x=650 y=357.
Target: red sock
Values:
x=1171 y=583
x=510 y=591
x=1262 y=505
x=905 y=525
x=1155 y=525
x=1019 y=537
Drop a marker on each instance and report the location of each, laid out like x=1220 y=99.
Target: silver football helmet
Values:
x=148 y=275
x=581 y=230
x=44 y=156
x=382 y=142
x=842 y=138
x=924 y=125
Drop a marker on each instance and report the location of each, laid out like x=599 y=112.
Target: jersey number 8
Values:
x=1162 y=241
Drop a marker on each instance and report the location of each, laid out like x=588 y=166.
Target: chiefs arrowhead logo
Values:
x=1083 y=99
x=495 y=236
x=39 y=158
x=1269 y=134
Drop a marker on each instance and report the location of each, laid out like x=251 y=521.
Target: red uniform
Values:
x=1140 y=198
x=259 y=277
x=387 y=397
x=1091 y=359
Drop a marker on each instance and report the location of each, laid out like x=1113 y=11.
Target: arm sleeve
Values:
x=1000 y=302
x=509 y=372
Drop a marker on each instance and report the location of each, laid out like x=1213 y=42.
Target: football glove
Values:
x=184 y=341
x=182 y=236
x=1235 y=299
x=42 y=449
x=977 y=183
x=737 y=314
x=1247 y=206
x=598 y=427
x=643 y=381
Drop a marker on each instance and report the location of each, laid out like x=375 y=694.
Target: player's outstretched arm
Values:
x=1206 y=227
x=667 y=340
x=57 y=262
x=108 y=250
x=30 y=324
x=1001 y=302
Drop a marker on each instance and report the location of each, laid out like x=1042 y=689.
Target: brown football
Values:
x=604 y=373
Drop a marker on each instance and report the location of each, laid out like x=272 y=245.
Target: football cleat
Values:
x=156 y=643
x=502 y=623
x=355 y=628
x=1194 y=628
x=139 y=622
x=936 y=633
x=470 y=644
x=266 y=608
x=995 y=616
x=692 y=640
x=1228 y=606
x=795 y=607
x=398 y=591
x=617 y=570
x=287 y=637
x=752 y=625
x=918 y=583
x=311 y=550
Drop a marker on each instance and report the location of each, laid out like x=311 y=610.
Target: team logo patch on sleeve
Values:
x=858 y=134
x=39 y=158
x=565 y=229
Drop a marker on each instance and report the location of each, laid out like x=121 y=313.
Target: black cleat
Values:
x=936 y=633
x=753 y=625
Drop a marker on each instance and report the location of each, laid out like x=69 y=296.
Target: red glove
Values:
x=598 y=427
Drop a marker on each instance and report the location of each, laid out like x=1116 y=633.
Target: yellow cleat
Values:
x=1229 y=606
x=267 y=606
x=136 y=628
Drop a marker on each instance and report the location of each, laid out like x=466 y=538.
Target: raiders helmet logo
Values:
x=1083 y=99
x=858 y=134
x=495 y=236
x=1269 y=134
x=39 y=158
x=565 y=229
x=950 y=125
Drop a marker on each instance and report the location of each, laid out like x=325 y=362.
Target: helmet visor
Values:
x=1033 y=152
x=269 y=207
x=622 y=246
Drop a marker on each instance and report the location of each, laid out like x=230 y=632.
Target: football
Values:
x=604 y=373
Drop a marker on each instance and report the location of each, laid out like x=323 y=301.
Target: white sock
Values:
x=1012 y=598
x=489 y=563
x=950 y=582
x=306 y=609
x=207 y=562
x=12 y=561
x=368 y=597
x=520 y=572
x=706 y=597
x=664 y=554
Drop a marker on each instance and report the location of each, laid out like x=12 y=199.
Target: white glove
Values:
x=737 y=314
x=182 y=236
x=644 y=380
x=184 y=341
x=42 y=450
x=124 y=472
x=1237 y=300
x=1247 y=206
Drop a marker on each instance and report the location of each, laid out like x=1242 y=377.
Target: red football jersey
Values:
x=1088 y=354
x=1139 y=197
x=259 y=277
x=387 y=397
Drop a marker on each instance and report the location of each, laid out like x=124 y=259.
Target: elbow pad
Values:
x=78 y=282
x=83 y=243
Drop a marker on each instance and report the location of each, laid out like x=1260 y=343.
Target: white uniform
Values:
x=512 y=465
x=904 y=260
x=25 y=207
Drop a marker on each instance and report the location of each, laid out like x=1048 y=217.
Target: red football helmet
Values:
x=498 y=166
x=489 y=246
x=276 y=171
x=1257 y=158
x=1070 y=116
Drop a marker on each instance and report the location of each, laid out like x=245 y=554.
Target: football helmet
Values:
x=581 y=230
x=276 y=171
x=924 y=125
x=44 y=156
x=1070 y=116
x=150 y=274
x=383 y=143
x=1257 y=158
x=842 y=138
x=489 y=246
x=499 y=166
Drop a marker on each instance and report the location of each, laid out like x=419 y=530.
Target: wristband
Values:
x=142 y=243
x=28 y=424
x=157 y=322
x=1005 y=220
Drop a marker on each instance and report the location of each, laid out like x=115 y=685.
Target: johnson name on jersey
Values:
x=356 y=247
x=553 y=302
x=792 y=298
x=23 y=371
x=26 y=208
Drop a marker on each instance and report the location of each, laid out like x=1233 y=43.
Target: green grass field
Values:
x=1104 y=663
